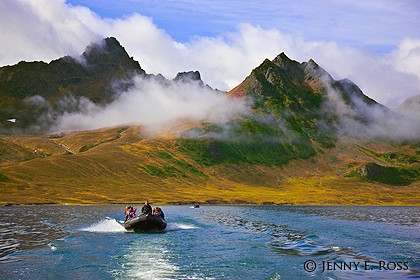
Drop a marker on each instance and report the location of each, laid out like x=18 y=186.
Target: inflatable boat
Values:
x=145 y=223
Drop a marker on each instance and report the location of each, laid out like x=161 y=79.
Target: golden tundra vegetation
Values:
x=125 y=165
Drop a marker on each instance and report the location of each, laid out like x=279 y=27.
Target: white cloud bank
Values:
x=156 y=105
x=46 y=29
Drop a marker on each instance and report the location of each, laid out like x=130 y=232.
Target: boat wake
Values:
x=148 y=258
x=112 y=225
x=106 y=225
x=179 y=226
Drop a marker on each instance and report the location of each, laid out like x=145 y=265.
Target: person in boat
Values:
x=127 y=211
x=146 y=209
x=130 y=212
x=159 y=213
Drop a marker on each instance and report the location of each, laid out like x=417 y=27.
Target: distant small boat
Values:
x=145 y=223
x=196 y=205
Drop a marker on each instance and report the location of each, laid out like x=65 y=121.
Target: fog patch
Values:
x=357 y=116
x=154 y=103
x=410 y=108
x=36 y=100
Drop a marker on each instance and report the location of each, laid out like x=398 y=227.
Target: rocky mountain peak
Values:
x=190 y=76
x=313 y=72
x=110 y=54
x=283 y=60
x=193 y=77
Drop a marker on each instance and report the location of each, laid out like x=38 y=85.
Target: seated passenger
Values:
x=132 y=212
x=159 y=213
x=127 y=213
x=146 y=209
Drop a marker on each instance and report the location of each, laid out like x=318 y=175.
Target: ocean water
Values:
x=211 y=242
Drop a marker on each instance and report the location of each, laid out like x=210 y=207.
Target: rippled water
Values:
x=211 y=242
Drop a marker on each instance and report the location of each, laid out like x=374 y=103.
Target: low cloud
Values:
x=37 y=100
x=155 y=104
x=410 y=108
x=355 y=117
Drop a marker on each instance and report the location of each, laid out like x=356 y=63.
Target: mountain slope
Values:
x=305 y=96
x=35 y=92
x=298 y=109
x=122 y=165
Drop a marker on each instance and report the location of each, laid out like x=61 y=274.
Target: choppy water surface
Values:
x=212 y=242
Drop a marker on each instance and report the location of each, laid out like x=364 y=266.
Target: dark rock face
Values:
x=188 y=77
x=193 y=77
x=372 y=170
x=390 y=175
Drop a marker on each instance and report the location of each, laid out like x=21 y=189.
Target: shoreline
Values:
x=208 y=204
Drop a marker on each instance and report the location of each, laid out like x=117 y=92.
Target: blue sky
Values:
x=372 y=24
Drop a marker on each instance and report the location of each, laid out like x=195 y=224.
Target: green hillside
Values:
x=123 y=166
x=288 y=101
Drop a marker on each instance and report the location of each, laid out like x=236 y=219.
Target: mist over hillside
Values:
x=410 y=107
x=105 y=87
x=305 y=95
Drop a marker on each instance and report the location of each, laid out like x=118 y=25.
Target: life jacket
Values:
x=133 y=212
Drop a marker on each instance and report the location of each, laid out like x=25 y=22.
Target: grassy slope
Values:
x=120 y=165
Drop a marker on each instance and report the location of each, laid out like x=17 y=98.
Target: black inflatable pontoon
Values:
x=145 y=223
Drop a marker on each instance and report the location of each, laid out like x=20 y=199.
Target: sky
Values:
x=377 y=25
x=376 y=44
